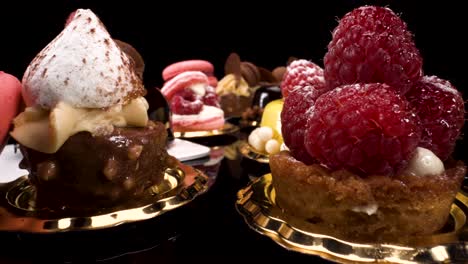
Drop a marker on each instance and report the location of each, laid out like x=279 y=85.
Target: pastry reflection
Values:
x=19 y=211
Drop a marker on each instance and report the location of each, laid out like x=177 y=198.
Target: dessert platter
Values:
x=351 y=161
x=368 y=173
x=93 y=157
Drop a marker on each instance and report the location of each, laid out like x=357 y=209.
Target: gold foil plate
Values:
x=249 y=152
x=256 y=203
x=227 y=129
x=17 y=213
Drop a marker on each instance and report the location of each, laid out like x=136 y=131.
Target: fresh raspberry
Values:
x=188 y=94
x=372 y=45
x=301 y=73
x=211 y=99
x=181 y=106
x=294 y=119
x=374 y=19
x=440 y=108
x=364 y=128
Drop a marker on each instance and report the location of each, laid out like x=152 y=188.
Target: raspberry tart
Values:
x=370 y=151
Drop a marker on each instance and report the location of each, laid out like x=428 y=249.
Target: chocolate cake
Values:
x=87 y=141
x=246 y=85
x=100 y=170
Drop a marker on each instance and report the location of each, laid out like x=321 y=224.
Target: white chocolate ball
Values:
x=256 y=142
x=425 y=162
x=272 y=146
x=265 y=133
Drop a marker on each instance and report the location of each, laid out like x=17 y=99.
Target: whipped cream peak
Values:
x=82 y=67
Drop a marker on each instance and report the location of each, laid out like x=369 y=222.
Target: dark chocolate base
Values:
x=99 y=171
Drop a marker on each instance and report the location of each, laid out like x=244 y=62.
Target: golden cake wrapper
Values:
x=256 y=203
x=18 y=213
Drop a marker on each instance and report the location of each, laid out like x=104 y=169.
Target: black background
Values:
x=266 y=33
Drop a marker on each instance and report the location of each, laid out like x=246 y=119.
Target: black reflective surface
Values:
x=207 y=229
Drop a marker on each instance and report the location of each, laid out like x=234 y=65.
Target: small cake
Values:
x=370 y=140
x=238 y=88
x=194 y=103
x=85 y=135
x=10 y=97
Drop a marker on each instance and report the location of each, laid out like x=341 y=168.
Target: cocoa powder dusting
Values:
x=34 y=68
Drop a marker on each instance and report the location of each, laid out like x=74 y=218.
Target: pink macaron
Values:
x=10 y=97
x=182 y=81
x=212 y=81
x=189 y=65
x=199 y=122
